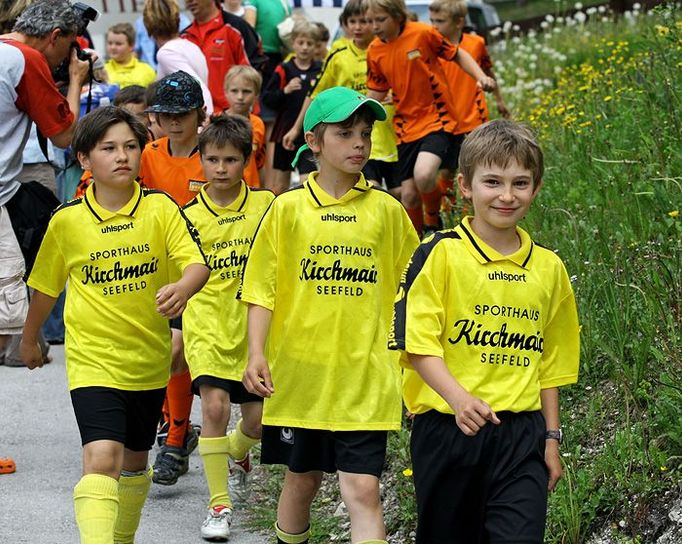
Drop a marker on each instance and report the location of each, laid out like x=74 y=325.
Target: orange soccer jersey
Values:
x=180 y=177
x=409 y=66
x=257 y=160
x=469 y=102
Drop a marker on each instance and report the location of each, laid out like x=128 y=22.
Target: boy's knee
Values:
x=409 y=196
x=304 y=485
x=361 y=491
x=253 y=428
x=215 y=411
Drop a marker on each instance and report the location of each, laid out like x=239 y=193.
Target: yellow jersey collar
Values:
x=237 y=205
x=100 y=214
x=321 y=198
x=483 y=253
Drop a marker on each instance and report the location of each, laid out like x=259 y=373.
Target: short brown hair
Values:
x=228 y=129
x=303 y=27
x=126 y=29
x=498 y=142
x=132 y=94
x=249 y=73
x=363 y=113
x=454 y=9
x=395 y=8
x=354 y=8
x=92 y=127
x=161 y=18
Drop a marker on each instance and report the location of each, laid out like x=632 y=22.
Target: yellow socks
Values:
x=239 y=443
x=214 y=453
x=286 y=538
x=95 y=500
x=132 y=493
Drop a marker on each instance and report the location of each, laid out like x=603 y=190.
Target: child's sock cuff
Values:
x=288 y=538
x=96 y=486
x=208 y=446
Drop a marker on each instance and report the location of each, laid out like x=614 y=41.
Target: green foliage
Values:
x=605 y=98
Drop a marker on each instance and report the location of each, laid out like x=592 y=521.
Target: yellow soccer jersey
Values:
x=328 y=269
x=346 y=66
x=506 y=326
x=115 y=262
x=214 y=322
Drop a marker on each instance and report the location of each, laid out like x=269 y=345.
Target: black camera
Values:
x=87 y=14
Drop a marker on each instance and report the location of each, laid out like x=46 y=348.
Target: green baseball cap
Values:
x=334 y=106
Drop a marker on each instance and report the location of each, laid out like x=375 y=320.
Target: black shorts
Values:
x=282 y=158
x=176 y=323
x=129 y=417
x=381 y=172
x=439 y=143
x=304 y=450
x=489 y=488
x=236 y=390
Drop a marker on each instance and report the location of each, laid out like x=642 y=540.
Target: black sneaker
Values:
x=170 y=464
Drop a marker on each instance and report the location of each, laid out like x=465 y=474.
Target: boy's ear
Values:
x=312 y=142
x=537 y=188
x=464 y=186
x=84 y=160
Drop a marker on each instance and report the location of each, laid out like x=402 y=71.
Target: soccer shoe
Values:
x=162 y=433
x=192 y=437
x=216 y=526
x=170 y=464
x=7 y=465
x=239 y=482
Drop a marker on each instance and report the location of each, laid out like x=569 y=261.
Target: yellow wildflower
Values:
x=674 y=213
x=608 y=98
x=407 y=473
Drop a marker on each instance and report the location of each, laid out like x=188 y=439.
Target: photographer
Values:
x=42 y=38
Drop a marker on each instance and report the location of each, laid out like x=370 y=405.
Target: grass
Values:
x=605 y=97
x=511 y=10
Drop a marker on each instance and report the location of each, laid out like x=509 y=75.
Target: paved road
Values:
x=39 y=431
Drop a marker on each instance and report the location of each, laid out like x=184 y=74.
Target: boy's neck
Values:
x=361 y=44
x=230 y=111
x=455 y=37
x=182 y=148
x=336 y=183
x=223 y=197
x=504 y=241
x=303 y=65
x=125 y=61
x=113 y=198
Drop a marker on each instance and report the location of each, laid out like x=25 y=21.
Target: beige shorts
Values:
x=13 y=292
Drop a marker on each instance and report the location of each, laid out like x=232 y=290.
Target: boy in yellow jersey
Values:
x=116 y=247
x=172 y=164
x=123 y=67
x=318 y=281
x=226 y=213
x=346 y=66
x=469 y=103
x=242 y=88
x=488 y=321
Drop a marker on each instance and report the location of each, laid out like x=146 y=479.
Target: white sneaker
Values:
x=239 y=482
x=216 y=526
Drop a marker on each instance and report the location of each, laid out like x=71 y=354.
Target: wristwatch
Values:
x=554 y=434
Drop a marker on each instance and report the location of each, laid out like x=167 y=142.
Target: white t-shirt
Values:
x=178 y=54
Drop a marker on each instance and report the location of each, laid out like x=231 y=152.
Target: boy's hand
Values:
x=472 y=413
x=487 y=83
x=289 y=139
x=294 y=85
x=171 y=300
x=503 y=110
x=553 y=463
x=257 y=379
x=31 y=354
